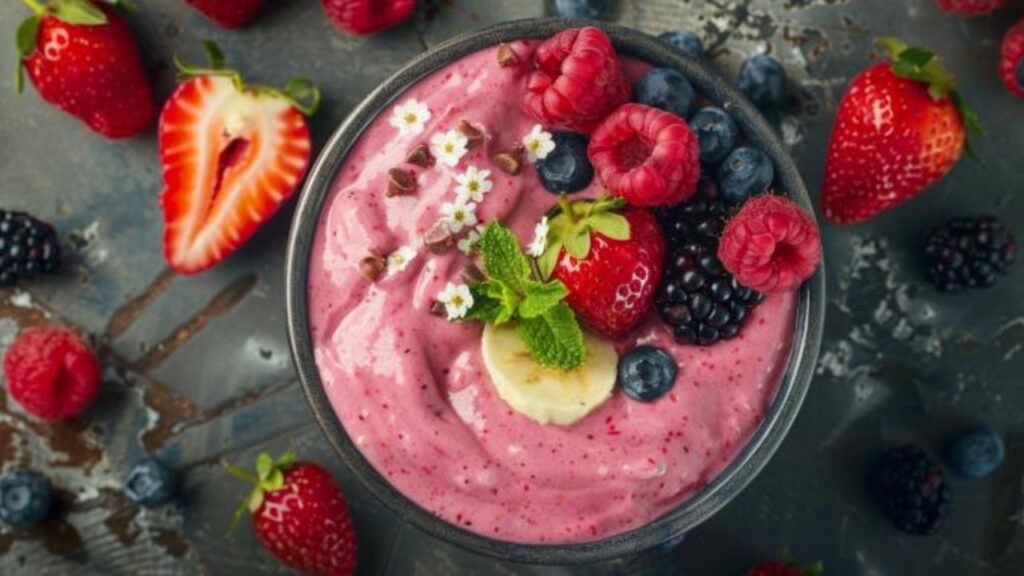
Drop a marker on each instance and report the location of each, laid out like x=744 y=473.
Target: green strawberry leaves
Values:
x=79 y=12
x=572 y=226
x=269 y=477
x=512 y=292
x=25 y=39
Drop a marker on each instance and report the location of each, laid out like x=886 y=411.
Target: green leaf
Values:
x=81 y=12
x=893 y=46
x=256 y=500
x=916 y=56
x=275 y=481
x=287 y=460
x=541 y=297
x=503 y=258
x=546 y=263
x=214 y=55
x=485 y=309
x=554 y=339
x=26 y=36
x=303 y=94
x=816 y=569
x=577 y=244
x=264 y=466
x=610 y=224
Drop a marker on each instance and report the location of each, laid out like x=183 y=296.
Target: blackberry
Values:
x=702 y=302
x=27 y=247
x=968 y=253
x=910 y=489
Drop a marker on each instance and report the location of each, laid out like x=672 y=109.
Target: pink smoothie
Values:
x=411 y=390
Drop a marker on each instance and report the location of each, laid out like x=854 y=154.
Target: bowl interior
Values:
x=732 y=479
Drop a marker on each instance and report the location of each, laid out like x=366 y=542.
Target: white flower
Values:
x=468 y=244
x=459 y=214
x=457 y=300
x=540 y=239
x=399 y=259
x=538 y=143
x=449 y=147
x=473 y=184
x=410 y=117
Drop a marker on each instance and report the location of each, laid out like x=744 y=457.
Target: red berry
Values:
x=646 y=155
x=774 y=568
x=970 y=7
x=771 y=245
x=93 y=72
x=1011 y=66
x=362 y=17
x=229 y=13
x=576 y=82
x=52 y=373
x=614 y=285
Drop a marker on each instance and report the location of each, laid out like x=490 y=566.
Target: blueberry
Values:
x=716 y=133
x=745 y=172
x=149 y=483
x=976 y=453
x=685 y=41
x=566 y=168
x=763 y=80
x=592 y=9
x=646 y=373
x=25 y=498
x=666 y=89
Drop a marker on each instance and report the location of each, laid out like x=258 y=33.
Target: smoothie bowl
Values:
x=554 y=292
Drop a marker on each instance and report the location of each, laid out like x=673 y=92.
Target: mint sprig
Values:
x=510 y=292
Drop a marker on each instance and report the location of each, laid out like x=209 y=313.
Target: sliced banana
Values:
x=547 y=395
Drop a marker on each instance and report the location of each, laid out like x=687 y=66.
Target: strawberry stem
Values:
x=35 y=7
x=240 y=473
x=566 y=206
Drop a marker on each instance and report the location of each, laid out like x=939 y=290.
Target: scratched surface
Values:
x=198 y=368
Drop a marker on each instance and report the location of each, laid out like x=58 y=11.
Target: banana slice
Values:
x=547 y=395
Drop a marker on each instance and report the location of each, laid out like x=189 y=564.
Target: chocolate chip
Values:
x=509 y=161
x=400 y=182
x=372 y=267
x=472 y=133
x=439 y=237
x=437 y=309
x=507 y=56
x=420 y=156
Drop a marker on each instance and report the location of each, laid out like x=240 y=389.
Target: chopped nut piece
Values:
x=510 y=161
x=472 y=133
x=437 y=308
x=421 y=156
x=372 y=267
x=439 y=238
x=472 y=273
x=400 y=182
x=507 y=56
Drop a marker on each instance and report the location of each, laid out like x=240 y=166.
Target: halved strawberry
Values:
x=231 y=155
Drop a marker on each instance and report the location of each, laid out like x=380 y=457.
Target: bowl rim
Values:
x=730 y=480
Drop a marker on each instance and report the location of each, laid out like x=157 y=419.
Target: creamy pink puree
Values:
x=411 y=390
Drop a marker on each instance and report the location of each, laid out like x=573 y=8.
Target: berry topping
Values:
x=610 y=263
x=685 y=41
x=51 y=372
x=576 y=82
x=771 y=245
x=233 y=14
x=646 y=373
x=968 y=253
x=667 y=90
x=362 y=17
x=149 y=483
x=976 y=453
x=716 y=133
x=970 y=7
x=1011 y=63
x=746 y=172
x=566 y=168
x=25 y=498
x=700 y=299
x=27 y=247
x=646 y=155
x=763 y=80
x=910 y=489
x=592 y=9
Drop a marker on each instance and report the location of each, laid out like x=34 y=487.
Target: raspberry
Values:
x=970 y=7
x=52 y=373
x=771 y=245
x=362 y=17
x=1011 y=65
x=646 y=155
x=577 y=81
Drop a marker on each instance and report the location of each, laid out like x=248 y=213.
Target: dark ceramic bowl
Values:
x=810 y=311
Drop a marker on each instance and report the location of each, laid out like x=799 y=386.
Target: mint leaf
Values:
x=541 y=297
x=80 y=12
x=485 y=308
x=554 y=339
x=503 y=258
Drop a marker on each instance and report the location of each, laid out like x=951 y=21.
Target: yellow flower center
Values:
x=457 y=301
x=410 y=118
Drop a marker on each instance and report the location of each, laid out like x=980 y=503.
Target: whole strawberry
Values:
x=785 y=568
x=900 y=127
x=1011 y=65
x=81 y=57
x=611 y=263
x=229 y=13
x=299 y=515
x=970 y=7
x=363 y=17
